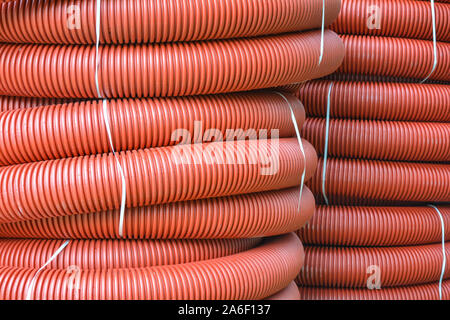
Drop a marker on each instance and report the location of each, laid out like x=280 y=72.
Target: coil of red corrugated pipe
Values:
x=403 y=19
x=116 y=254
x=289 y=293
x=253 y=274
x=77 y=129
x=395 y=57
x=347 y=267
x=380 y=140
x=12 y=103
x=350 y=181
x=153 y=176
x=419 y=292
x=146 y=21
x=375 y=226
x=167 y=69
x=377 y=101
x=272 y=213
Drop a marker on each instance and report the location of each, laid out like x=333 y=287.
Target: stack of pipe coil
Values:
x=384 y=167
x=129 y=163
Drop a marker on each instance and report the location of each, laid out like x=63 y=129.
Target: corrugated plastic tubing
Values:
x=377 y=101
x=395 y=57
x=289 y=293
x=403 y=19
x=158 y=21
x=77 y=129
x=12 y=103
x=242 y=216
x=419 y=292
x=376 y=78
x=152 y=176
x=375 y=226
x=252 y=274
x=380 y=140
x=115 y=254
x=175 y=69
x=350 y=180
x=347 y=267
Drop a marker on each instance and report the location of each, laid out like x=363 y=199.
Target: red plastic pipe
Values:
x=289 y=293
x=152 y=176
x=175 y=69
x=12 y=103
x=377 y=101
x=403 y=19
x=143 y=21
x=253 y=274
x=376 y=226
x=380 y=140
x=272 y=213
x=77 y=129
x=363 y=181
x=395 y=57
x=420 y=292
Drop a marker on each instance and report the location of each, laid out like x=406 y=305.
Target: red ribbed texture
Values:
x=253 y=274
x=153 y=176
x=69 y=130
x=357 y=181
x=289 y=293
x=403 y=19
x=420 y=292
x=175 y=69
x=395 y=57
x=12 y=103
x=115 y=254
x=375 y=78
x=380 y=140
x=348 y=267
x=139 y=21
x=375 y=226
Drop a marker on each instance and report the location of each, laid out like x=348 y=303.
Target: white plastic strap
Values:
x=444 y=260
x=325 y=151
x=433 y=21
x=299 y=138
x=53 y=257
x=124 y=186
x=322 y=32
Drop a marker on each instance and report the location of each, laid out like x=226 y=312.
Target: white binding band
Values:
x=433 y=20
x=299 y=138
x=322 y=33
x=325 y=151
x=108 y=123
x=53 y=257
x=444 y=260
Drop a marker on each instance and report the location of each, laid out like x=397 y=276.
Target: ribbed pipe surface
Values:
x=12 y=103
x=122 y=21
x=377 y=101
x=272 y=213
x=395 y=57
x=76 y=129
x=380 y=140
x=376 y=226
x=289 y=293
x=175 y=69
x=253 y=274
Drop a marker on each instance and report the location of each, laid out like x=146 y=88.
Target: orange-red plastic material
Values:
x=122 y=21
x=12 y=103
x=351 y=267
x=244 y=216
x=175 y=69
x=403 y=19
x=380 y=140
x=253 y=274
x=289 y=293
x=377 y=101
x=395 y=57
x=360 y=181
x=376 y=226
x=77 y=129
x=152 y=176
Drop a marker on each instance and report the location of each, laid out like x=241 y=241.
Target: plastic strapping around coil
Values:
x=297 y=131
x=322 y=35
x=108 y=123
x=444 y=260
x=325 y=151
x=433 y=21
x=53 y=257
